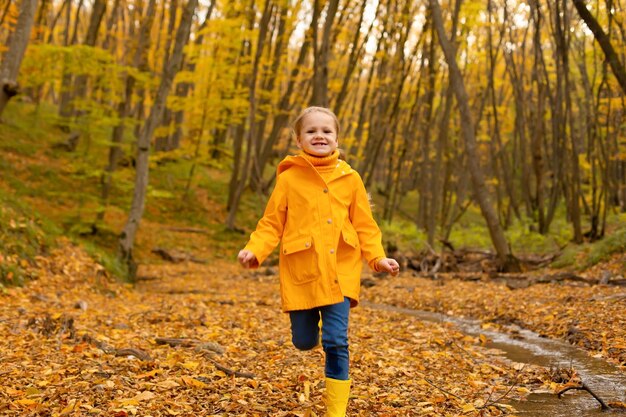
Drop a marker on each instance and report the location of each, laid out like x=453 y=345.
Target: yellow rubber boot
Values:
x=336 y=398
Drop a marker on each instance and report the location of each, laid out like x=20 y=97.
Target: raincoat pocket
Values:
x=301 y=260
x=350 y=238
x=348 y=253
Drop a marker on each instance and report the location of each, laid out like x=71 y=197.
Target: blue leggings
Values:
x=305 y=335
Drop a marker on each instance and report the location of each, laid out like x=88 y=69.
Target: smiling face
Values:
x=318 y=134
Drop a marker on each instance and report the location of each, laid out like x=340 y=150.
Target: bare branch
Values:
x=584 y=387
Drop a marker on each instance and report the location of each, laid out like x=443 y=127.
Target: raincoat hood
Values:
x=289 y=162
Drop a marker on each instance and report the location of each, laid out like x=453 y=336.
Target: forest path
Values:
x=78 y=343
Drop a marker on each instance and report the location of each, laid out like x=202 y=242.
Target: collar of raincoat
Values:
x=322 y=163
x=305 y=160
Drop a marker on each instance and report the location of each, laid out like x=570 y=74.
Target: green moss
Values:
x=11 y=274
x=24 y=235
x=403 y=236
x=580 y=257
x=106 y=257
x=613 y=242
x=524 y=239
x=568 y=257
x=473 y=235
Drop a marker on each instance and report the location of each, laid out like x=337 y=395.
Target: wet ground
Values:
x=525 y=347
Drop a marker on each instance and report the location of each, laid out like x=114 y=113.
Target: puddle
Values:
x=606 y=380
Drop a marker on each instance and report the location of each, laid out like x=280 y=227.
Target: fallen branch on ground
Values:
x=195 y=343
x=173 y=342
x=176 y=256
x=565 y=276
x=583 y=387
x=616 y=297
x=108 y=349
x=229 y=371
x=188 y=230
x=468 y=276
x=496 y=403
x=138 y=353
x=443 y=390
x=147 y=278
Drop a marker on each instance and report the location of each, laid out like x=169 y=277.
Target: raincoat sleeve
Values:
x=370 y=237
x=269 y=229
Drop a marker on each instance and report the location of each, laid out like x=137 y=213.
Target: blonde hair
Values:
x=297 y=124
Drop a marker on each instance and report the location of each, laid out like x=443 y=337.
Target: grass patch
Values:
x=24 y=235
x=568 y=257
x=586 y=255
x=602 y=250
x=524 y=239
x=403 y=236
x=107 y=258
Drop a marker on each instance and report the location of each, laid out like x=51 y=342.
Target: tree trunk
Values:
x=500 y=154
x=113 y=20
x=80 y=83
x=183 y=88
x=423 y=208
x=260 y=159
x=605 y=43
x=41 y=19
x=537 y=125
x=441 y=143
x=124 y=108
x=161 y=143
x=5 y=11
x=57 y=16
x=170 y=68
x=281 y=117
x=520 y=134
x=409 y=150
x=65 y=105
x=237 y=189
x=356 y=52
x=322 y=57
x=562 y=24
x=16 y=47
x=197 y=133
x=506 y=260
x=379 y=105
x=364 y=107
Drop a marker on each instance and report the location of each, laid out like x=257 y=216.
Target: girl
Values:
x=320 y=212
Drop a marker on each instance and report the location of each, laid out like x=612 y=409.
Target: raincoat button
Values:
x=325 y=190
x=307 y=244
x=337 y=281
x=332 y=251
x=284 y=250
x=329 y=221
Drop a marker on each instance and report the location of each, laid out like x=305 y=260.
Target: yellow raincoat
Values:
x=325 y=228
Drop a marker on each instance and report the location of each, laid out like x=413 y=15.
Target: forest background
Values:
x=490 y=134
x=482 y=124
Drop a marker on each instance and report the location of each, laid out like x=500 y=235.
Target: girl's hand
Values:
x=247 y=259
x=390 y=265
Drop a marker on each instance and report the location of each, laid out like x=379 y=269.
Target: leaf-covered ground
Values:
x=591 y=317
x=210 y=340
